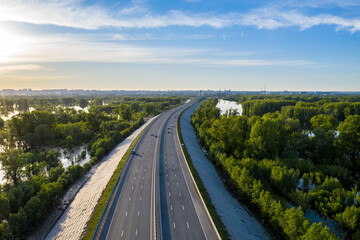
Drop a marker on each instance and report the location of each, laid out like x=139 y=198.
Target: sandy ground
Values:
x=72 y=223
x=238 y=222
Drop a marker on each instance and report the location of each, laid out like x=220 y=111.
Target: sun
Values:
x=11 y=45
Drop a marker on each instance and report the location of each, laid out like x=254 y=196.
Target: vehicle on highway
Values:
x=151 y=134
x=133 y=152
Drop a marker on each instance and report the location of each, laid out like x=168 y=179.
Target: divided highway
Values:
x=155 y=197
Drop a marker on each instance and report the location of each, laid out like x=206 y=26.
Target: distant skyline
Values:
x=181 y=44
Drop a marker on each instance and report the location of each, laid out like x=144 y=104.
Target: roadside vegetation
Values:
x=35 y=179
x=287 y=155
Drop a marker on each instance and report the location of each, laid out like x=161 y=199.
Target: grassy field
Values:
x=215 y=217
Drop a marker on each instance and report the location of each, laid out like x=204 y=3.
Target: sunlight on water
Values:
x=225 y=105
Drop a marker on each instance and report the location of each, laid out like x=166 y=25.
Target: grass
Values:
x=215 y=217
x=99 y=208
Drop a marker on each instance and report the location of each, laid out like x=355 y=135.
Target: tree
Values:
x=4 y=206
x=317 y=232
x=125 y=112
x=18 y=223
x=83 y=103
x=323 y=121
x=294 y=222
x=267 y=137
x=2 y=123
x=12 y=162
x=97 y=101
x=23 y=104
x=349 y=135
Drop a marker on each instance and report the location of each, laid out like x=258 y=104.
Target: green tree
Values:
x=267 y=137
x=4 y=206
x=349 y=135
x=2 y=123
x=323 y=121
x=317 y=232
x=125 y=112
x=18 y=223
x=83 y=103
x=12 y=162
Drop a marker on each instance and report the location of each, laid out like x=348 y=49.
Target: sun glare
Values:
x=11 y=46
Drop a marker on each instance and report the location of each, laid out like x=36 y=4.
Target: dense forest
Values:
x=287 y=155
x=35 y=179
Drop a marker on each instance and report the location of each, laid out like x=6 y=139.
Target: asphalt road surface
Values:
x=155 y=197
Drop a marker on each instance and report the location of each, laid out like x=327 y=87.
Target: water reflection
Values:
x=225 y=105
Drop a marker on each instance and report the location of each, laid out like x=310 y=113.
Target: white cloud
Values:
x=71 y=13
x=270 y=18
x=22 y=67
x=72 y=48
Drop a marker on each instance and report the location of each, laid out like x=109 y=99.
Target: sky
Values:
x=180 y=44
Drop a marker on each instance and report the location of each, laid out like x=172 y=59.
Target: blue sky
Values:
x=183 y=44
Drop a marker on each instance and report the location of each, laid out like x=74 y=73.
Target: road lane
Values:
x=155 y=197
x=184 y=215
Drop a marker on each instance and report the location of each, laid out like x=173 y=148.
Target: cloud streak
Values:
x=16 y=68
x=74 y=49
x=72 y=13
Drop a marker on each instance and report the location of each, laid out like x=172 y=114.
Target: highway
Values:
x=182 y=213
x=155 y=197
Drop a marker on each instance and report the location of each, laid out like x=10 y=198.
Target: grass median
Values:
x=96 y=214
x=215 y=217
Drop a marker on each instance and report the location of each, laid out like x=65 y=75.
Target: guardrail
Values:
x=193 y=180
x=100 y=225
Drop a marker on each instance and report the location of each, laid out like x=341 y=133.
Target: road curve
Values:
x=155 y=197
